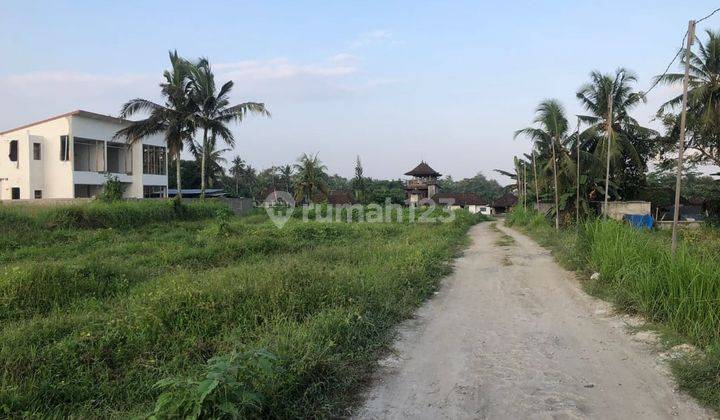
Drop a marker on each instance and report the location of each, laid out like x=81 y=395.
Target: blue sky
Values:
x=393 y=82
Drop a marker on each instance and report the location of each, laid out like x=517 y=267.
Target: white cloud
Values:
x=282 y=68
x=371 y=38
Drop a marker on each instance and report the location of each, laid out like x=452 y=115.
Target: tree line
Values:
x=606 y=152
x=308 y=180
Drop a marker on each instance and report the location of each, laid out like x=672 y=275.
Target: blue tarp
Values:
x=640 y=221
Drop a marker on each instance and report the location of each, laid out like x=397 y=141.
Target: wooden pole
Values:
x=537 y=192
x=577 y=177
x=681 y=145
x=555 y=181
x=525 y=186
x=609 y=144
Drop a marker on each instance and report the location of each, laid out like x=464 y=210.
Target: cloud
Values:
x=282 y=68
x=372 y=38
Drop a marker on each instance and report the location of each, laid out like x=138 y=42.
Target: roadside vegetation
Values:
x=639 y=274
x=133 y=308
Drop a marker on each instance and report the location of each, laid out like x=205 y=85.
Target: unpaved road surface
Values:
x=511 y=335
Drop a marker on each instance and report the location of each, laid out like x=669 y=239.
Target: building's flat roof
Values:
x=77 y=112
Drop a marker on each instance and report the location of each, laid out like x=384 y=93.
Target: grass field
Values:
x=638 y=273
x=231 y=316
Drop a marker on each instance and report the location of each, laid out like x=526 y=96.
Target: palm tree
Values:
x=310 y=178
x=175 y=118
x=612 y=135
x=703 y=96
x=213 y=159
x=285 y=173
x=549 y=133
x=214 y=110
x=237 y=170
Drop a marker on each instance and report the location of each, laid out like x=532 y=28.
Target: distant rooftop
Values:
x=423 y=169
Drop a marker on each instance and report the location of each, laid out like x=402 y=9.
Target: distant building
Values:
x=70 y=156
x=468 y=201
x=424 y=185
x=195 y=193
x=504 y=203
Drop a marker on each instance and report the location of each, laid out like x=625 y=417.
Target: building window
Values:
x=89 y=155
x=87 y=191
x=119 y=158
x=38 y=194
x=64 y=148
x=154 y=160
x=15 y=193
x=13 y=151
x=37 y=151
x=154 y=191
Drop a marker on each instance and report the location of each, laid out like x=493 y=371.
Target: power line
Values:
x=677 y=54
x=712 y=13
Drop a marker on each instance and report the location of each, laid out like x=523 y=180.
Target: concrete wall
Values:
x=50 y=175
x=543 y=208
x=486 y=209
x=616 y=209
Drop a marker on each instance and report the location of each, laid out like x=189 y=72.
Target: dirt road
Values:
x=511 y=335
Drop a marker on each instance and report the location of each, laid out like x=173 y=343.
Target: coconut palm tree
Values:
x=174 y=118
x=285 y=173
x=213 y=159
x=237 y=169
x=703 y=97
x=214 y=112
x=310 y=178
x=549 y=134
x=624 y=131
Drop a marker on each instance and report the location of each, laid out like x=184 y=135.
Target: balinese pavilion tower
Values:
x=424 y=184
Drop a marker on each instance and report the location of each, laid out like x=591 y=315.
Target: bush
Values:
x=117 y=214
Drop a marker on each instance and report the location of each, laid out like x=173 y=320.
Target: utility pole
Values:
x=577 y=196
x=525 y=186
x=537 y=192
x=609 y=143
x=683 y=119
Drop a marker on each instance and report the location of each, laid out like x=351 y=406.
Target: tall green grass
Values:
x=639 y=274
x=92 y=318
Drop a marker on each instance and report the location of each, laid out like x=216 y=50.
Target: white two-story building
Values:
x=71 y=155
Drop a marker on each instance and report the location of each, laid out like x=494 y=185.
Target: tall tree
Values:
x=627 y=134
x=311 y=178
x=549 y=134
x=237 y=168
x=285 y=173
x=174 y=118
x=214 y=112
x=359 y=183
x=703 y=113
x=214 y=161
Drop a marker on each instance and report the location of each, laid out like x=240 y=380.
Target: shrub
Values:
x=113 y=189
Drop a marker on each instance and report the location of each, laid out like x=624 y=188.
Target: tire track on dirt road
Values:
x=510 y=334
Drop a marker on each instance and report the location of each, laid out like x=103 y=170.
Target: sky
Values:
x=395 y=82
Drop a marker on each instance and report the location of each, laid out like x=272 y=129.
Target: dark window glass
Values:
x=64 y=148
x=37 y=151
x=38 y=194
x=154 y=191
x=153 y=160
x=16 y=193
x=13 y=151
